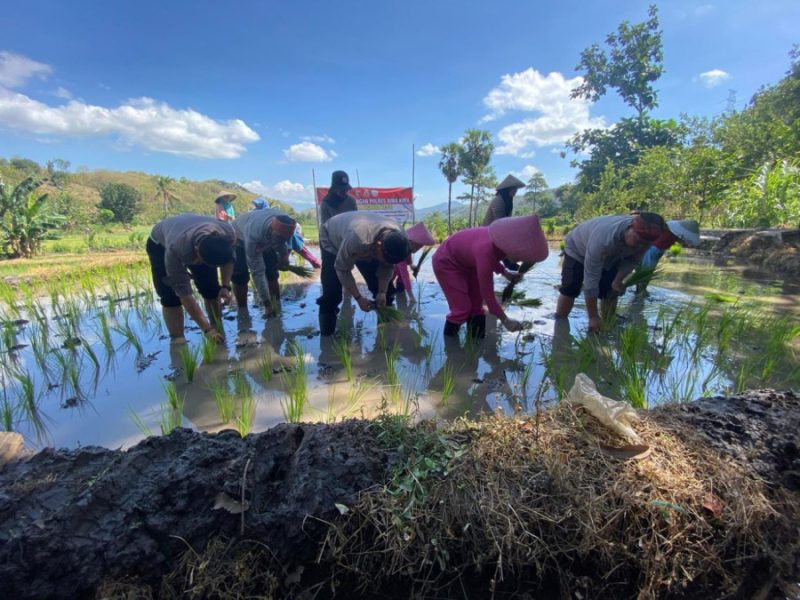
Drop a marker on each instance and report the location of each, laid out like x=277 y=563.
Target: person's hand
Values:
x=512 y=277
x=364 y=304
x=617 y=287
x=214 y=334
x=513 y=325
x=380 y=300
x=594 y=324
x=224 y=296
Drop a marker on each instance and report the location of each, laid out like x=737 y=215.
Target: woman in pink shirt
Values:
x=466 y=262
x=418 y=236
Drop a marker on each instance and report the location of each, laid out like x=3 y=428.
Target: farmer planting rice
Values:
x=223 y=206
x=686 y=233
x=467 y=261
x=372 y=243
x=418 y=236
x=337 y=201
x=194 y=244
x=599 y=253
x=262 y=238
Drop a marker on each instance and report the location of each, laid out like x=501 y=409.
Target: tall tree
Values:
x=633 y=63
x=121 y=199
x=164 y=193
x=476 y=152
x=537 y=185
x=451 y=169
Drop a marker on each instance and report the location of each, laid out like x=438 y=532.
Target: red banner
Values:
x=397 y=203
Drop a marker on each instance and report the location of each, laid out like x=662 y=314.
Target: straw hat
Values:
x=419 y=234
x=687 y=231
x=510 y=182
x=520 y=238
x=223 y=195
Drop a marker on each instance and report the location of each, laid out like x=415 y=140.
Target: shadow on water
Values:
x=76 y=367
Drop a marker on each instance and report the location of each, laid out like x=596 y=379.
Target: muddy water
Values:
x=504 y=372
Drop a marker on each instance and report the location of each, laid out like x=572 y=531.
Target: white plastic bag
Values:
x=614 y=414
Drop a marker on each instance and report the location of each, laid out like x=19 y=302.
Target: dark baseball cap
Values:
x=340 y=181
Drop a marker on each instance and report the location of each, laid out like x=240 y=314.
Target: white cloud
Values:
x=714 y=77
x=63 y=93
x=319 y=139
x=559 y=116
x=527 y=172
x=144 y=122
x=16 y=70
x=308 y=152
x=283 y=190
x=428 y=150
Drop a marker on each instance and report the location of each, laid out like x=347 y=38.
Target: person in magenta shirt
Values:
x=418 y=236
x=466 y=262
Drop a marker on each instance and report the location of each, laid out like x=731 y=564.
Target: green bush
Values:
x=122 y=200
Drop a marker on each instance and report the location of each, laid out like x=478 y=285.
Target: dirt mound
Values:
x=504 y=506
x=778 y=250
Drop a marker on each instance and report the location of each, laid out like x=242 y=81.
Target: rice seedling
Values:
x=642 y=276
x=420 y=289
x=224 y=401
x=7 y=411
x=190 y=357
x=392 y=375
x=103 y=333
x=342 y=349
x=140 y=424
x=719 y=297
x=130 y=336
x=388 y=314
x=247 y=404
x=171 y=409
x=675 y=250
x=296 y=386
x=529 y=302
x=448 y=382
x=432 y=349
x=508 y=291
x=633 y=363
x=265 y=366
x=209 y=349
x=89 y=351
x=301 y=271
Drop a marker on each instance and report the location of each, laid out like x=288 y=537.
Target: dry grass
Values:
x=543 y=507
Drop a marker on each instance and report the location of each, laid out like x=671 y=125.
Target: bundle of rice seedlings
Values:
x=388 y=313
x=301 y=271
x=717 y=297
x=642 y=276
x=531 y=302
x=509 y=289
x=421 y=260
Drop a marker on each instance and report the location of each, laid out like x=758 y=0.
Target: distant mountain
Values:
x=441 y=208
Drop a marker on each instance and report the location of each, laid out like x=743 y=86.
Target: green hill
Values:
x=77 y=194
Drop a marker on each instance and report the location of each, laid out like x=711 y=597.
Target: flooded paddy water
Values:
x=87 y=361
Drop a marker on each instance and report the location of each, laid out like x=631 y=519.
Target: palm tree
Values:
x=451 y=169
x=476 y=152
x=164 y=193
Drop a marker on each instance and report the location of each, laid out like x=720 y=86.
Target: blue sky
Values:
x=261 y=93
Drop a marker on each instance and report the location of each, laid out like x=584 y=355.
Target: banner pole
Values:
x=413 y=174
x=316 y=204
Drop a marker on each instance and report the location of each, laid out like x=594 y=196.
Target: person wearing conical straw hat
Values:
x=418 y=236
x=598 y=255
x=466 y=262
x=502 y=205
x=685 y=233
x=223 y=206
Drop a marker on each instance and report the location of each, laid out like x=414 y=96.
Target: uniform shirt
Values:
x=254 y=233
x=599 y=244
x=351 y=237
x=180 y=235
x=332 y=205
x=468 y=253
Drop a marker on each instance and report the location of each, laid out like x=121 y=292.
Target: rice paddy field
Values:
x=86 y=360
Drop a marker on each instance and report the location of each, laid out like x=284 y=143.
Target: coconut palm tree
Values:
x=164 y=193
x=450 y=166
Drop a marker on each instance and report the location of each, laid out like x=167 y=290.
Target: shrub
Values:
x=122 y=200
